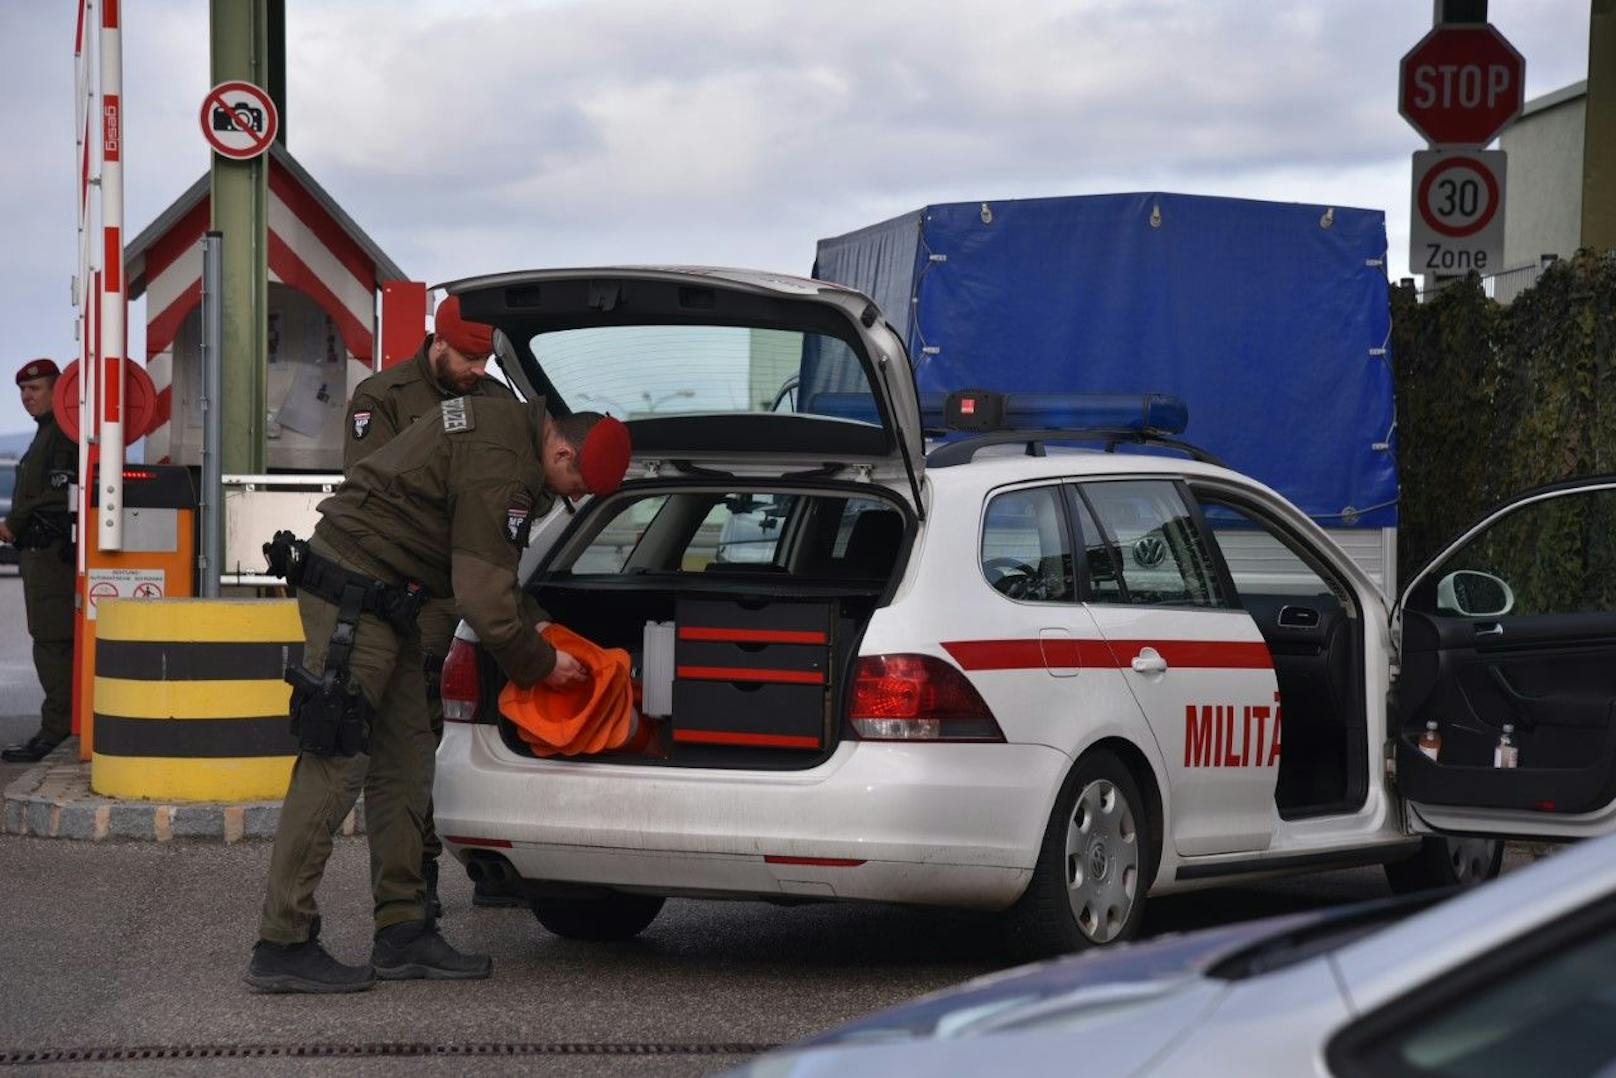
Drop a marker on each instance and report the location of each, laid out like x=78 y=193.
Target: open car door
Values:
x=1508 y=646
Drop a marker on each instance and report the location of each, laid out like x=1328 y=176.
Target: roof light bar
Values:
x=981 y=410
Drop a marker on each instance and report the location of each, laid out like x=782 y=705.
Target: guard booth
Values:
x=325 y=275
x=183 y=698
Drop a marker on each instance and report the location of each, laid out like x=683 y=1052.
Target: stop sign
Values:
x=1461 y=85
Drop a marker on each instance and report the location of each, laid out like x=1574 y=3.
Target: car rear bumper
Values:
x=952 y=825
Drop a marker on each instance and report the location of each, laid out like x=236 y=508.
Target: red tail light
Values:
x=917 y=698
x=459 y=683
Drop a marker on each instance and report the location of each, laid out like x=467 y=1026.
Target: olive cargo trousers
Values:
x=396 y=777
x=47 y=588
x=437 y=626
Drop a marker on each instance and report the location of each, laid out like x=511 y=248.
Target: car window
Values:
x=609 y=551
x=749 y=527
x=1102 y=561
x=689 y=532
x=1163 y=561
x=1554 y=1016
x=1025 y=551
x=1555 y=556
x=1260 y=561
x=634 y=372
x=851 y=511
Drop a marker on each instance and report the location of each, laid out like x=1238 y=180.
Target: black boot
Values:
x=416 y=950
x=303 y=967
x=31 y=751
x=429 y=872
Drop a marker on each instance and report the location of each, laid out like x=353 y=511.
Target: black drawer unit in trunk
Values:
x=753 y=673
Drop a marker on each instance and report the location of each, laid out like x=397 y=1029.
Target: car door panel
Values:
x=1551 y=677
x=1550 y=674
x=1200 y=671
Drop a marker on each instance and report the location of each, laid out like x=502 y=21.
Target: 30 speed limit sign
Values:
x=1458 y=218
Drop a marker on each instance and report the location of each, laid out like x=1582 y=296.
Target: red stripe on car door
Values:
x=1029 y=654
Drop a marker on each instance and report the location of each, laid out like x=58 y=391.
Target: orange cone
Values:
x=593 y=716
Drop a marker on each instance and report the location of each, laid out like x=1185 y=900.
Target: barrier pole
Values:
x=212 y=492
x=109 y=533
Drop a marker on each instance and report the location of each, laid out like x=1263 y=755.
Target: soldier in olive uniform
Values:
x=451 y=362
x=446 y=506
x=38 y=525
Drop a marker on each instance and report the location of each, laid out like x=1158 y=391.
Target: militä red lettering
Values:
x=1273 y=752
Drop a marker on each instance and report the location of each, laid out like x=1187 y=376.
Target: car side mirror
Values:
x=1474 y=595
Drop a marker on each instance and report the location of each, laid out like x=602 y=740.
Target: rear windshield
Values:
x=634 y=372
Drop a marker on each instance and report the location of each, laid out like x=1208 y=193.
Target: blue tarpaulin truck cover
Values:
x=1270 y=319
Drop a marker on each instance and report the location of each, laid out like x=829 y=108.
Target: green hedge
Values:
x=1494 y=399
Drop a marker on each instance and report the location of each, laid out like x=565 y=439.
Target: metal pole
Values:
x=1598 y=138
x=212 y=557
x=240 y=207
x=109 y=533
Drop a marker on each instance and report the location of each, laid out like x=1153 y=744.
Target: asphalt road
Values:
x=113 y=946
x=118 y=946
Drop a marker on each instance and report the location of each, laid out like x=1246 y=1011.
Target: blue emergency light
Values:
x=982 y=411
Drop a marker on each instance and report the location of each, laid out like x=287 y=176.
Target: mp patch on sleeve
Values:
x=457 y=415
x=518 y=520
x=361 y=425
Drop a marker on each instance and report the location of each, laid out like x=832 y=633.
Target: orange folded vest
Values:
x=596 y=715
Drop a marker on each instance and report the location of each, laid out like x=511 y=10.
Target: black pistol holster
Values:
x=330 y=715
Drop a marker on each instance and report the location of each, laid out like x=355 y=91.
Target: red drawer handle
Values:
x=726 y=737
x=741 y=673
x=752 y=636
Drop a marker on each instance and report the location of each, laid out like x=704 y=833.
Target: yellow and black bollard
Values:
x=190 y=704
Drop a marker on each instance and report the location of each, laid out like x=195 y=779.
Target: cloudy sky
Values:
x=474 y=135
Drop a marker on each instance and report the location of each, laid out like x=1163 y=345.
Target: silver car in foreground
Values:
x=1515 y=977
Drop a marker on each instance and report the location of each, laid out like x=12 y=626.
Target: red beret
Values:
x=603 y=458
x=37 y=368
x=471 y=339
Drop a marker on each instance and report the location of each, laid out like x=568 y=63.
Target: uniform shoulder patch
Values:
x=361 y=423
x=518 y=519
x=457 y=415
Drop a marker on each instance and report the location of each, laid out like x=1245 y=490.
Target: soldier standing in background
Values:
x=451 y=362
x=38 y=525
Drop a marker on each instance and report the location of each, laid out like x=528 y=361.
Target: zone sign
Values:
x=1458 y=218
x=1461 y=85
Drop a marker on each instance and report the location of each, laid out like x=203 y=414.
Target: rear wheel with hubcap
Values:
x=1094 y=866
x=603 y=919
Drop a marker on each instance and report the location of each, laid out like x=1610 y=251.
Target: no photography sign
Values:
x=239 y=120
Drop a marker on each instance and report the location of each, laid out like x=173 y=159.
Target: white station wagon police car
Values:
x=957 y=662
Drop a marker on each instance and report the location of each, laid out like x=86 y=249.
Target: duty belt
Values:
x=397 y=604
